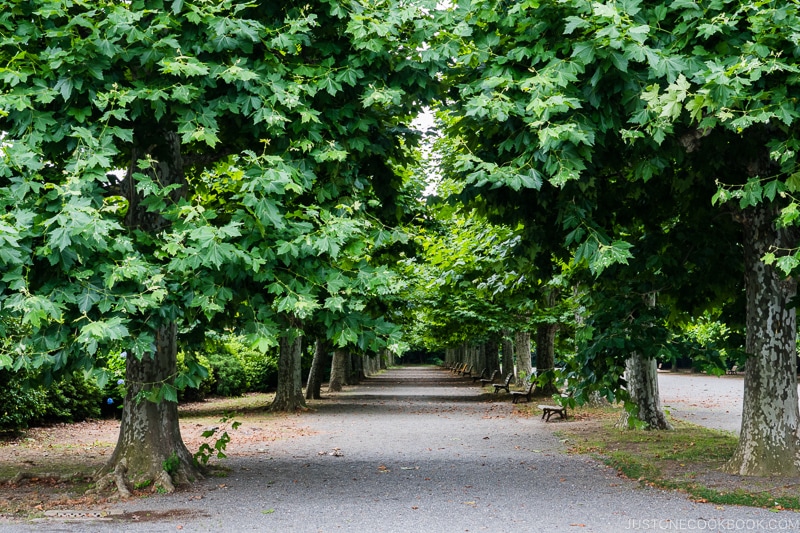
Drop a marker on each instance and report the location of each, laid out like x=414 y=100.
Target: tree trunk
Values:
x=314 y=383
x=349 y=369
x=507 y=361
x=545 y=357
x=150 y=447
x=492 y=356
x=641 y=374
x=289 y=396
x=480 y=358
x=338 y=370
x=768 y=441
x=522 y=345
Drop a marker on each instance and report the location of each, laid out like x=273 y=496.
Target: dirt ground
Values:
x=81 y=448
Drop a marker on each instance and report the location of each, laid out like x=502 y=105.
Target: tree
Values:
x=640 y=89
x=273 y=138
x=731 y=96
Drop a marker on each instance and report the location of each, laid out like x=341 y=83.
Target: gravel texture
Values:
x=418 y=449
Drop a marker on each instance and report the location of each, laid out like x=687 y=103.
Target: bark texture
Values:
x=641 y=374
x=289 y=396
x=522 y=347
x=768 y=442
x=314 y=382
x=150 y=447
x=338 y=370
x=546 y=356
x=507 y=349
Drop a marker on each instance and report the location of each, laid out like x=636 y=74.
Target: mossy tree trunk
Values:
x=150 y=448
x=641 y=375
x=545 y=357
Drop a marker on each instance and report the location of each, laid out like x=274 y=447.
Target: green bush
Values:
x=230 y=378
x=72 y=399
x=24 y=404
x=19 y=404
x=261 y=369
x=114 y=391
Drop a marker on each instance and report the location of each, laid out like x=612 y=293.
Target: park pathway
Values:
x=417 y=449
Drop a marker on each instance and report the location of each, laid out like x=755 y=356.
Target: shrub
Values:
x=24 y=404
x=230 y=378
x=20 y=405
x=261 y=369
x=71 y=399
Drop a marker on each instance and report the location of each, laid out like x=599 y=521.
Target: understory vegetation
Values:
x=232 y=369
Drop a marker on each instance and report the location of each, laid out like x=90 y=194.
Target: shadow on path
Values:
x=407 y=387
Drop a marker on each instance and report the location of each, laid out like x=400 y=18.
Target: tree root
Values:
x=164 y=480
x=47 y=476
x=117 y=478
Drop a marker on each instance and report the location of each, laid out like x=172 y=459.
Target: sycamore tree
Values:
x=165 y=163
x=469 y=284
x=570 y=94
x=719 y=98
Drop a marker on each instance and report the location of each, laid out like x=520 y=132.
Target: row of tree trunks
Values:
x=365 y=366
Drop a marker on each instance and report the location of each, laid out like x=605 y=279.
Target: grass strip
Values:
x=689 y=458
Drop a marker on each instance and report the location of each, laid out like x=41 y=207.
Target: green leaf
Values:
x=169 y=393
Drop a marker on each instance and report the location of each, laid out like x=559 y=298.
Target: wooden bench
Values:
x=550 y=410
x=518 y=395
x=733 y=371
x=504 y=385
x=487 y=381
x=482 y=376
x=467 y=372
x=459 y=368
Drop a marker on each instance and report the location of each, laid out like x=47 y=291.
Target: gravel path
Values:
x=417 y=449
x=710 y=401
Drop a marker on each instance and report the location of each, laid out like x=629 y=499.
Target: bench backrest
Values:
x=508 y=378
